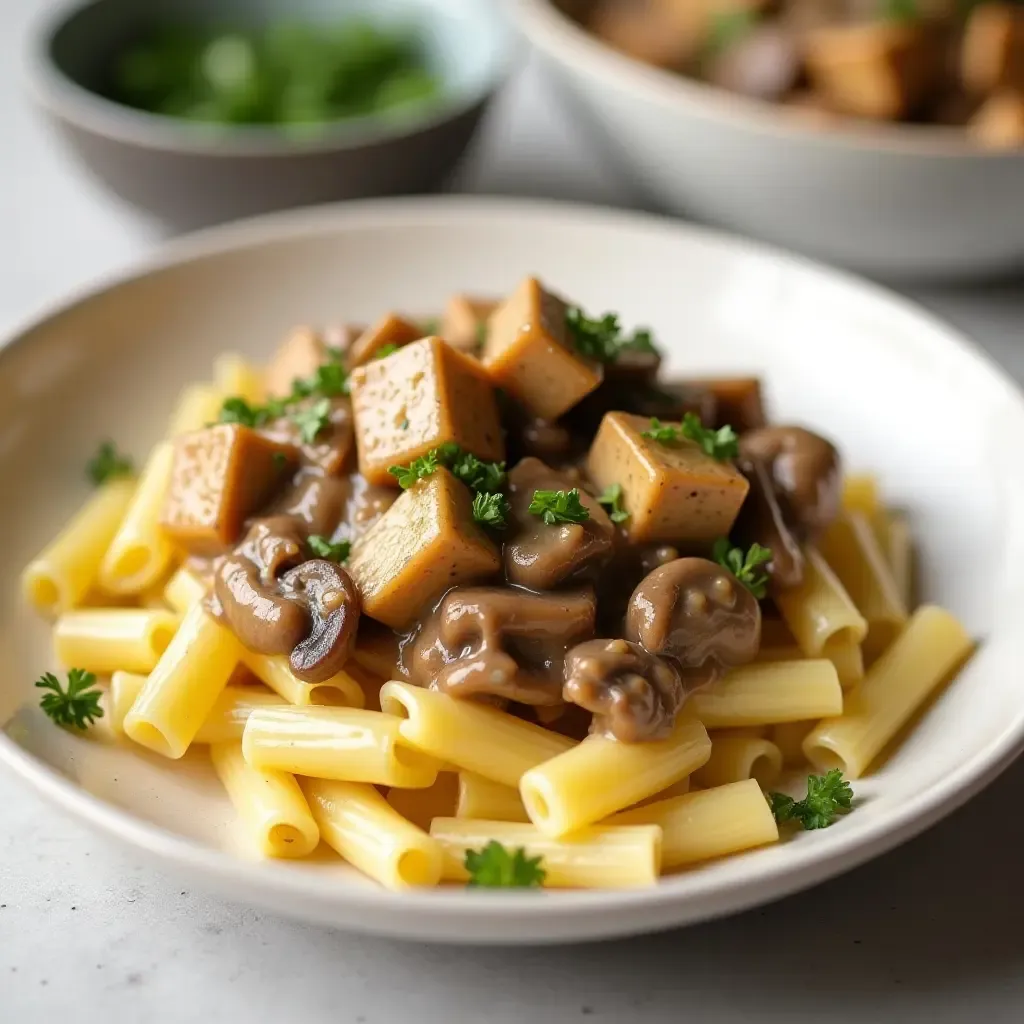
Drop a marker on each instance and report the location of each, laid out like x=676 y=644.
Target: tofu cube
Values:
x=220 y=476
x=390 y=330
x=673 y=493
x=999 y=124
x=418 y=398
x=992 y=56
x=424 y=544
x=738 y=402
x=529 y=353
x=464 y=324
x=300 y=355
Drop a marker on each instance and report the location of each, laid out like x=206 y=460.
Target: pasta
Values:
x=422 y=806
x=234 y=376
x=197 y=406
x=898 y=546
x=276 y=672
x=848 y=660
x=735 y=758
x=481 y=798
x=183 y=590
x=860 y=494
x=789 y=738
x=106 y=639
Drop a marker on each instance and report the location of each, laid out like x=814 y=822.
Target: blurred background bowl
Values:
x=899 y=201
x=188 y=174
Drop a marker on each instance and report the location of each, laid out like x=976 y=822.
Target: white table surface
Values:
x=88 y=933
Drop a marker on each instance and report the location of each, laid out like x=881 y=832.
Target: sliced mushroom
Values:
x=633 y=694
x=762 y=521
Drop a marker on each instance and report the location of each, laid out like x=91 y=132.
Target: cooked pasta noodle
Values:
x=898 y=545
x=104 y=640
x=234 y=376
x=847 y=658
x=183 y=590
x=197 y=406
x=276 y=672
x=481 y=798
x=789 y=738
x=735 y=758
x=422 y=806
x=860 y=494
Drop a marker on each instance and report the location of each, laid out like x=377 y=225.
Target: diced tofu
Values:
x=220 y=477
x=1000 y=122
x=390 y=330
x=738 y=402
x=302 y=352
x=673 y=493
x=425 y=543
x=880 y=69
x=418 y=398
x=464 y=325
x=528 y=353
x=993 y=49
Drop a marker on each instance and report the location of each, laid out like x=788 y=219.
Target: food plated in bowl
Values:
x=508 y=667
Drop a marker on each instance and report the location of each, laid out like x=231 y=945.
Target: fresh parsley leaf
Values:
x=827 y=796
x=720 y=444
x=107 y=464
x=559 y=507
x=899 y=10
x=496 y=867
x=611 y=498
x=602 y=339
x=663 y=433
x=329 y=380
x=418 y=469
x=481 y=334
x=729 y=28
x=430 y=326
x=323 y=548
x=238 y=410
x=78 y=705
x=491 y=510
x=745 y=567
x=386 y=350
x=476 y=475
x=312 y=419
x=641 y=341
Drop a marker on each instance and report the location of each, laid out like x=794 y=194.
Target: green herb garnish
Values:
x=238 y=410
x=721 y=444
x=430 y=326
x=745 y=567
x=312 y=420
x=491 y=510
x=559 y=507
x=496 y=867
x=729 y=28
x=78 y=705
x=602 y=339
x=481 y=334
x=386 y=350
x=323 y=548
x=108 y=464
x=611 y=498
x=827 y=796
x=899 y=10
x=663 y=433
x=478 y=476
x=418 y=469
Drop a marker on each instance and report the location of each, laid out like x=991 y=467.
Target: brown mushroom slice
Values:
x=316 y=501
x=633 y=694
x=696 y=614
x=762 y=521
x=737 y=402
x=332 y=606
x=333 y=449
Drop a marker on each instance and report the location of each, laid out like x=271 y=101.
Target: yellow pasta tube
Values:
x=676 y=789
x=422 y=806
x=472 y=737
x=183 y=688
x=820 y=611
x=234 y=376
x=768 y=692
x=933 y=644
x=59 y=578
x=347 y=744
x=269 y=803
x=898 y=544
x=789 y=738
x=599 y=857
x=358 y=823
x=141 y=553
x=103 y=640
x=124 y=689
x=183 y=590
x=198 y=406
x=708 y=823
x=600 y=776
x=860 y=494
x=847 y=658
x=735 y=758
x=490 y=801
x=274 y=670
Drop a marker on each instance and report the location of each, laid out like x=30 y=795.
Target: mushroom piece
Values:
x=697 y=615
x=633 y=694
x=761 y=520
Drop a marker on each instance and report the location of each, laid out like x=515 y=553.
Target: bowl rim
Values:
x=565 y=41
x=57 y=93
x=571 y=914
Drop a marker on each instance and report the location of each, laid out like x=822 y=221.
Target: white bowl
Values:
x=889 y=200
x=903 y=395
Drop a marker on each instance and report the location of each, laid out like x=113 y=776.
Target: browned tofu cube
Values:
x=737 y=400
x=881 y=70
x=390 y=330
x=999 y=124
x=528 y=352
x=220 y=477
x=993 y=49
x=425 y=543
x=300 y=355
x=672 y=492
x=418 y=398
x=464 y=325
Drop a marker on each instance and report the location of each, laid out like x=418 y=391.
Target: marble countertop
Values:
x=90 y=933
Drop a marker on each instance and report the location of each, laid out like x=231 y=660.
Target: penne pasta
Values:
x=789 y=738
x=860 y=494
x=708 y=823
x=103 y=640
x=183 y=688
x=490 y=801
x=140 y=552
x=270 y=804
x=198 y=406
x=60 y=577
x=847 y=658
x=183 y=590
x=472 y=737
x=276 y=671
x=234 y=376
x=422 y=806
x=358 y=823
x=933 y=644
x=898 y=545
x=770 y=692
x=600 y=776
x=347 y=744
x=600 y=857
x=735 y=758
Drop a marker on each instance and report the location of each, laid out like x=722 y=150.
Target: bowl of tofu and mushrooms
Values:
x=883 y=135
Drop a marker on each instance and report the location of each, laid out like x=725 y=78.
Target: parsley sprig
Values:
x=386 y=350
x=556 y=507
x=827 y=797
x=491 y=510
x=108 y=464
x=611 y=498
x=496 y=867
x=602 y=338
x=312 y=419
x=747 y=568
x=478 y=476
x=324 y=548
x=728 y=28
x=720 y=444
x=78 y=705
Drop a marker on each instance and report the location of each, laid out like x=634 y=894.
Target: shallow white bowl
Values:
x=901 y=393
x=890 y=200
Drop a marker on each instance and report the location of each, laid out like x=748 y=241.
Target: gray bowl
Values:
x=188 y=174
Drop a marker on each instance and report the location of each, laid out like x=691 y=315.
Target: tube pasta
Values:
x=472 y=737
x=274 y=670
x=597 y=857
x=491 y=801
x=422 y=806
x=269 y=803
x=236 y=376
x=347 y=744
x=820 y=611
x=359 y=824
x=933 y=644
x=183 y=688
x=103 y=640
x=860 y=494
x=769 y=692
x=600 y=776
x=141 y=553
x=847 y=658
x=708 y=823
x=898 y=545
x=183 y=590
x=197 y=406
x=789 y=738
x=735 y=758
x=60 y=577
